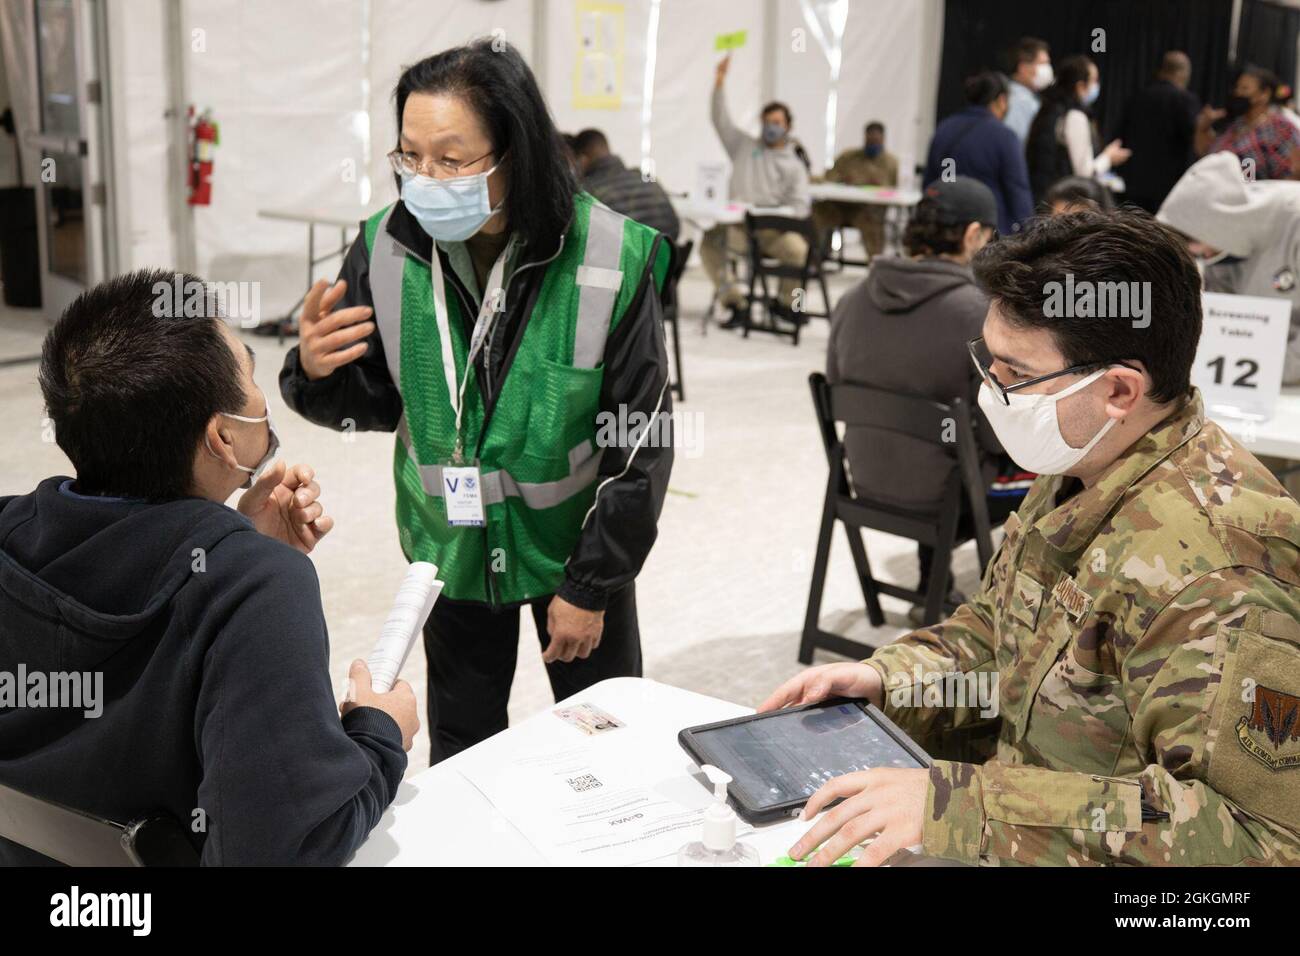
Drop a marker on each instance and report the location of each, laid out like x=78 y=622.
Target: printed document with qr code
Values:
x=583 y=805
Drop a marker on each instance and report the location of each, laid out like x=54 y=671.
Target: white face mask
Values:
x=1043 y=76
x=1029 y=431
x=272 y=446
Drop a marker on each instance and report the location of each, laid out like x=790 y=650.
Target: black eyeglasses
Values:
x=983 y=359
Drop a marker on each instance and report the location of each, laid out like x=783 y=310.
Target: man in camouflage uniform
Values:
x=1143 y=624
x=871 y=165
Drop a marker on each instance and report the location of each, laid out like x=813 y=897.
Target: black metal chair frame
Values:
x=77 y=838
x=762 y=267
x=672 y=307
x=854 y=405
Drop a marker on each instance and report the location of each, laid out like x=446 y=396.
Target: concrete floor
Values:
x=723 y=594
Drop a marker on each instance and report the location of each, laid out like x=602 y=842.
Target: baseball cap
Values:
x=961 y=200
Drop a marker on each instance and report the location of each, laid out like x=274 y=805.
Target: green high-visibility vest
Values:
x=539 y=457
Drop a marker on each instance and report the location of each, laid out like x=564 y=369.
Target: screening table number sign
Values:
x=1239 y=360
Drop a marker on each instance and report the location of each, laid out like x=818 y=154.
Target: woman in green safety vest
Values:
x=507 y=327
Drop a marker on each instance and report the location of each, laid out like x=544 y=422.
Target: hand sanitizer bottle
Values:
x=719 y=846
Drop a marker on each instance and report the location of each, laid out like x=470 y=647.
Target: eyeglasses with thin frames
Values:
x=1001 y=392
x=404 y=162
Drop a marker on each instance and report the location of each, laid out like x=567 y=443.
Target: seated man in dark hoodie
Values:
x=204 y=621
x=905 y=328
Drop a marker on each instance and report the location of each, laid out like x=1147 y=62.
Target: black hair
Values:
x=925 y=235
x=131 y=376
x=1267 y=79
x=492 y=77
x=875 y=126
x=588 y=138
x=1024 y=50
x=1019 y=271
x=1069 y=73
x=778 y=105
x=1079 y=190
x=983 y=88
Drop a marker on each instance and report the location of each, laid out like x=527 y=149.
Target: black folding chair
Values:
x=83 y=839
x=681 y=255
x=763 y=267
x=920 y=418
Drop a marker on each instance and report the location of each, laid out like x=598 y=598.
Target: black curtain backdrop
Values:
x=1267 y=38
x=977 y=33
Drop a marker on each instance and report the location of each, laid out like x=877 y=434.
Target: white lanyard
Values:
x=492 y=305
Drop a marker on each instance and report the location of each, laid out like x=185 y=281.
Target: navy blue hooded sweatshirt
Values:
x=216 y=691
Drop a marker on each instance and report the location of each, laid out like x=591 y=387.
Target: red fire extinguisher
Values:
x=204 y=138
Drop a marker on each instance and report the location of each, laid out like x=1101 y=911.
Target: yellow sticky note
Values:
x=730 y=41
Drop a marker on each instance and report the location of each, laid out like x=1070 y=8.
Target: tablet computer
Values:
x=780 y=759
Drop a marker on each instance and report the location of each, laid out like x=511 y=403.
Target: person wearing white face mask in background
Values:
x=498 y=319
x=1150 y=574
x=1029 y=68
x=1246 y=237
x=1063 y=138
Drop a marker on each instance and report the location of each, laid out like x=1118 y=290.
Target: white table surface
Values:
x=1279 y=436
x=731 y=213
x=870 y=195
x=440 y=818
x=346 y=215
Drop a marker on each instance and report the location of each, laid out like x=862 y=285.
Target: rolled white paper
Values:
x=420 y=588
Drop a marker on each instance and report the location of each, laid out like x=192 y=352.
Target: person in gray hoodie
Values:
x=765 y=173
x=1246 y=235
x=906 y=328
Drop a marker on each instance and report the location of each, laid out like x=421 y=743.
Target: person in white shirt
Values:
x=1029 y=67
x=1062 y=140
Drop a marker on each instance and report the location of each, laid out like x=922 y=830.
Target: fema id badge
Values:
x=462 y=493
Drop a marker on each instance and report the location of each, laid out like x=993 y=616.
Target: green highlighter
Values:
x=845 y=860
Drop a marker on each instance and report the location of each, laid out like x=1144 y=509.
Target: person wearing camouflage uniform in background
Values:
x=1143 y=625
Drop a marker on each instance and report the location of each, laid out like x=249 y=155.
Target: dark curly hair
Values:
x=1122 y=246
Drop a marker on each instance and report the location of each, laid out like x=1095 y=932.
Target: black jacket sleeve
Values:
x=359 y=396
x=284 y=780
x=621 y=526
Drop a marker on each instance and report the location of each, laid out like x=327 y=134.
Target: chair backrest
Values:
x=949 y=426
x=82 y=839
x=681 y=254
x=804 y=227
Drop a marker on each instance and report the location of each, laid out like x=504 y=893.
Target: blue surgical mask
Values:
x=449 y=209
x=1091 y=93
x=872 y=150
x=772 y=133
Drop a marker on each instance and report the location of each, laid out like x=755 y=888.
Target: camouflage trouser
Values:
x=1279 y=466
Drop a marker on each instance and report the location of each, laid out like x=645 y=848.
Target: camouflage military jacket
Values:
x=1145 y=638
x=856 y=168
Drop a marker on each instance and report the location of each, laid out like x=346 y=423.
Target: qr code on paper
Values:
x=583 y=783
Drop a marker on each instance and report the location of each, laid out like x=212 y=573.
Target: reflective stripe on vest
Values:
x=598 y=280
x=387 y=261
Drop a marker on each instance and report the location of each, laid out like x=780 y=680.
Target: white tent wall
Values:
x=402 y=32
x=682 y=133
x=301 y=90
x=883 y=77
x=284 y=83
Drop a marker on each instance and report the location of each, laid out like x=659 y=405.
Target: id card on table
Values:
x=462 y=493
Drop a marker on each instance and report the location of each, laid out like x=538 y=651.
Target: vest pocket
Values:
x=563 y=405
